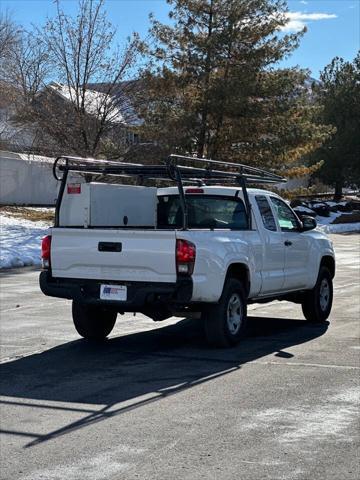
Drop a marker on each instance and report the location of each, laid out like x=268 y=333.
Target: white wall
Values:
x=294 y=183
x=26 y=180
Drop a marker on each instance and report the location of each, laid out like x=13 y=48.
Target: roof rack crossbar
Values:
x=242 y=168
x=161 y=171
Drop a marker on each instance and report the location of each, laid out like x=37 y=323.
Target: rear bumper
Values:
x=141 y=295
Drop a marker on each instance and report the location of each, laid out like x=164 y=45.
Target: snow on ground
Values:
x=20 y=241
x=325 y=224
x=340 y=227
x=304 y=209
x=328 y=220
x=320 y=219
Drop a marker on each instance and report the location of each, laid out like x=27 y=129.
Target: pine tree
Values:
x=339 y=96
x=212 y=89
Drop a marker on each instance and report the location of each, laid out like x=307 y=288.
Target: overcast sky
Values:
x=333 y=25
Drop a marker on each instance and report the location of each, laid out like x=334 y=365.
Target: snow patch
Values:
x=340 y=227
x=20 y=241
x=326 y=223
x=329 y=219
x=99 y=467
x=303 y=209
x=330 y=418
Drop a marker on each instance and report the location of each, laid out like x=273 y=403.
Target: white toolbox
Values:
x=105 y=205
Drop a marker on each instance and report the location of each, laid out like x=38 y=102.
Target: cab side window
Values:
x=287 y=220
x=266 y=213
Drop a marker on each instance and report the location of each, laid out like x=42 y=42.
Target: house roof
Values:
x=95 y=101
x=124 y=94
x=26 y=157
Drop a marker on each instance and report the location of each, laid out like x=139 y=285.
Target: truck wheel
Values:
x=225 y=322
x=92 y=322
x=317 y=303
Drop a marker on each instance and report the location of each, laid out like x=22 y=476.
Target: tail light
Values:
x=185 y=257
x=45 y=251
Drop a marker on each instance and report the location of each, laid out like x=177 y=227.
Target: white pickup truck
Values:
x=234 y=246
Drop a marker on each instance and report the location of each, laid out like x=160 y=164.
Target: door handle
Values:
x=287 y=243
x=109 y=247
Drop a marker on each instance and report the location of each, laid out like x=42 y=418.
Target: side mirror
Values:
x=309 y=223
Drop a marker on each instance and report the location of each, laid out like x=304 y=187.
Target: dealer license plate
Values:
x=113 y=292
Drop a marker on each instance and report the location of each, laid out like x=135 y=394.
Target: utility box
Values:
x=105 y=205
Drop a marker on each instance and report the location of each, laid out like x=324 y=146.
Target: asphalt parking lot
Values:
x=154 y=402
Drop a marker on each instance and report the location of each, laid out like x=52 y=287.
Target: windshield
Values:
x=204 y=211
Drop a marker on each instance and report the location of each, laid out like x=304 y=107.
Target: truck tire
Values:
x=225 y=322
x=317 y=302
x=92 y=322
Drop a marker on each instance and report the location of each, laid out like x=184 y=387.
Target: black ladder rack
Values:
x=179 y=169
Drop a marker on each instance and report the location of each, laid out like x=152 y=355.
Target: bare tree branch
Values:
x=8 y=34
x=82 y=53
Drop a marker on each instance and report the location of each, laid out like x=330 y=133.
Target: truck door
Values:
x=296 y=246
x=273 y=248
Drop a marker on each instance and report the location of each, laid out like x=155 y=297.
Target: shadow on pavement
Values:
x=138 y=369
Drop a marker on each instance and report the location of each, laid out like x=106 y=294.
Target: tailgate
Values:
x=125 y=255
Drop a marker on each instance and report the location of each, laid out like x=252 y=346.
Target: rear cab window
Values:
x=204 y=211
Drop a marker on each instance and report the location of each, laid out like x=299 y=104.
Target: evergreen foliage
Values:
x=212 y=88
x=339 y=96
